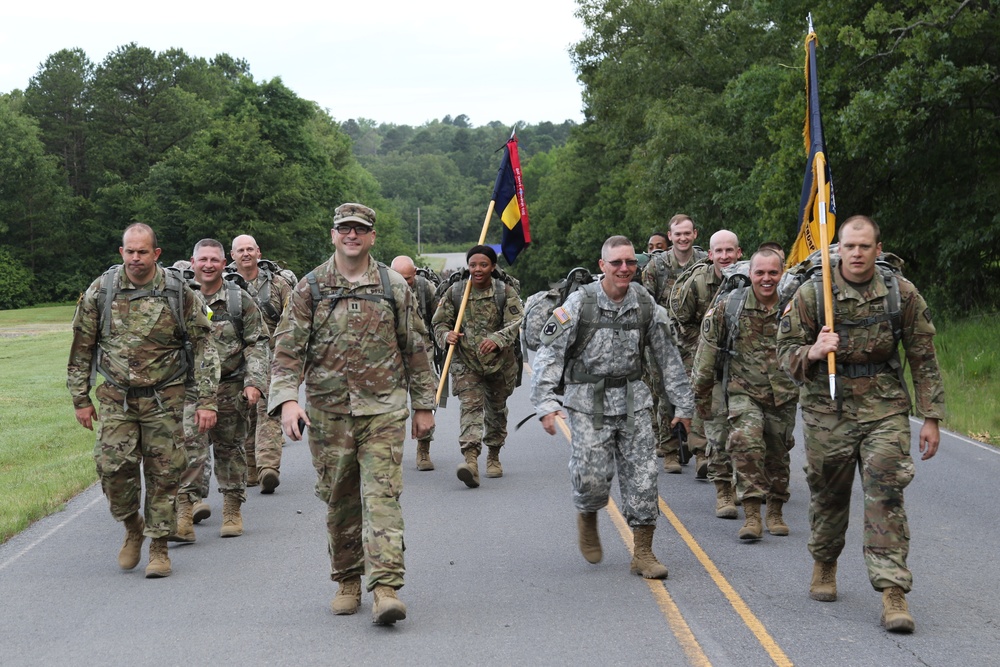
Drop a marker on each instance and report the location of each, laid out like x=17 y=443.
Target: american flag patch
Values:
x=561 y=315
x=788 y=309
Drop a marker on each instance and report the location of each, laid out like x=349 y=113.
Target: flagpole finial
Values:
x=809 y=18
x=512 y=131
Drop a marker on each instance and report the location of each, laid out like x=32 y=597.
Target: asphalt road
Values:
x=494 y=578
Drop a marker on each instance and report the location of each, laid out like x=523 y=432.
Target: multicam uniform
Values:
x=264 y=438
x=423 y=293
x=612 y=426
x=244 y=359
x=659 y=277
x=142 y=404
x=358 y=356
x=760 y=398
x=482 y=382
x=688 y=304
x=868 y=427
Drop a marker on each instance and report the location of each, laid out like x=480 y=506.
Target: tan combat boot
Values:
x=823 y=586
x=348 y=597
x=185 y=520
x=775 y=522
x=200 y=511
x=232 y=520
x=644 y=561
x=725 y=503
x=671 y=464
x=468 y=472
x=701 y=467
x=270 y=479
x=589 y=538
x=159 y=561
x=387 y=608
x=424 y=455
x=895 y=612
x=751 y=530
x=131 y=551
x=493 y=467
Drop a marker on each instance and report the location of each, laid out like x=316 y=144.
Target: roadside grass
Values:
x=45 y=457
x=436 y=264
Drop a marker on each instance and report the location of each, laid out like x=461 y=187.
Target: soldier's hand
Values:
x=826 y=342
x=252 y=394
x=423 y=422
x=488 y=346
x=205 y=420
x=87 y=416
x=681 y=420
x=291 y=413
x=452 y=338
x=930 y=438
x=549 y=421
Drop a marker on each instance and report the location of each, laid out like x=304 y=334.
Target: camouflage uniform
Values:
x=869 y=429
x=482 y=382
x=244 y=362
x=423 y=292
x=624 y=435
x=760 y=398
x=659 y=277
x=264 y=439
x=357 y=358
x=688 y=305
x=141 y=426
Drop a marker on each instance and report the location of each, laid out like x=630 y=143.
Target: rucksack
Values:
x=270 y=269
x=172 y=291
x=539 y=306
x=887 y=265
x=333 y=297
x=430 y=274
x=454 y=286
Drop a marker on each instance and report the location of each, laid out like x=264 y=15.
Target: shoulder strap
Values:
x=234 y=303
x=106 y=297
x=386 y=295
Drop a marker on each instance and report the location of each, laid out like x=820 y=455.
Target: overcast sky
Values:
x=395 y=61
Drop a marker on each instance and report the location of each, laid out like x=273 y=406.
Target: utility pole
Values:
x=419 y=249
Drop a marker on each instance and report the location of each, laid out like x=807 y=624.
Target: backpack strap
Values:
x=340 y=293
x=734 y=303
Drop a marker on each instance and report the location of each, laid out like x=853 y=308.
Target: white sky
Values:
x=395 y=61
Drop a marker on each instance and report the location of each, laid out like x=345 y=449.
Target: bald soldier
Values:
x=270 y=291
x=423 y=290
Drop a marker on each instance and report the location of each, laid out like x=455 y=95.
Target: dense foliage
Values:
x=693 y=106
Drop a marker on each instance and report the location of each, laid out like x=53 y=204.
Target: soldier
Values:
x=352 y=332
x=658 y=242
x=659 y=277
x=594 y=343
x=145 y=331
x=689 y=301
x=739 y=343
x=423 y=292
x=484 y=368
x=270 y=291
x=867 y=425
x=242 y=340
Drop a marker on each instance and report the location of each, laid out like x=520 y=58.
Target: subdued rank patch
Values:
x=354 y=305
x=786 y=323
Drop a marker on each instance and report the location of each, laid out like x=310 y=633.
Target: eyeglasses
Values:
x=617 y=263
x=345 y=230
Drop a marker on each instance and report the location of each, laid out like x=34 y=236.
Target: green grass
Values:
x=45 y=456
x=28 y=317
x=436 y=264
x=970 y=364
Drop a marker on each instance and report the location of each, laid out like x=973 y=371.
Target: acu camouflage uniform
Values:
x=264 y=438
x=482 y=382
x=659 y=277
x=357 y=356
x=868 y=428
x=139 y=434
x=760 y=398
x=688 y=304
x=245 y=359
x=610 y=429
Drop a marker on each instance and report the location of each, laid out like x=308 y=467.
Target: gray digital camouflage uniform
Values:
x=358 y=357
x=245 y=361
x=870 y=430
x=760 y=398
x=482 y=382
x=140 y=434
x=623 y=437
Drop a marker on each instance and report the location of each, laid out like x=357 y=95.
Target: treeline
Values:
x=197 y=148
x=698 y=107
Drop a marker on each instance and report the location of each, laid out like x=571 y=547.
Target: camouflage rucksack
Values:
x=540 y=305
x=270 y=269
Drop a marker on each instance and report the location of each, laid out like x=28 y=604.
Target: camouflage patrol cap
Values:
x=354 y=213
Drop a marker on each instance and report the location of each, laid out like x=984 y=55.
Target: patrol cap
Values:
x=354 y=213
